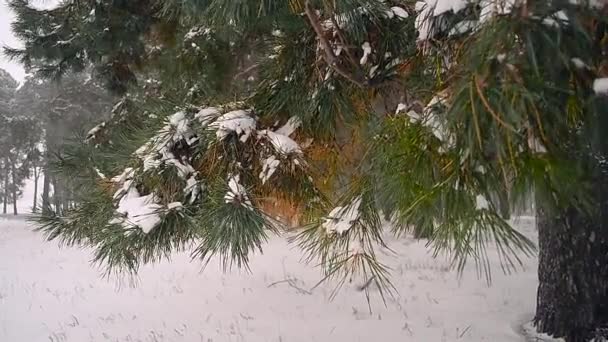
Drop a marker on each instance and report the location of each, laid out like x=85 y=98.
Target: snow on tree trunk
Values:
x=572 y=298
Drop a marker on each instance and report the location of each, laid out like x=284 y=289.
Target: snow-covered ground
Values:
x=52 y=294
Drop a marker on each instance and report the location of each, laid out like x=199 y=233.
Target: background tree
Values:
x=463 y=106
x=62 y=112
x=18 y=135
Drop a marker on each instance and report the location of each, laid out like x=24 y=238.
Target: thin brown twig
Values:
x=342 y=38
x=475 y=119
x=487 y=105
x=329 y=55
x=247 y=70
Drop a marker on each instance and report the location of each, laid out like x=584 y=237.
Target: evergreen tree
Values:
x=61 y=112
x=17 y=134
x=442 y=114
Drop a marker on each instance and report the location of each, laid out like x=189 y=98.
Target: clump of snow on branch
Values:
x=192 y=188
x=125 y=179
x=431 y=119
x=367 y=50
x=579 y=63
x=430 y=21
x=342 y=218
x=137 y=210
x=429 y=9
x=100 y=174
x=556 y=19
x=481 y=203
x=239 y=122
x=281 y=143
x=237 y=193
x=600 y=86
x=207 y=115
x=134 y=209
x=175 y=205
x=92 y=134
x=399 y=12
x=157 y=151
x=443 y=6
x=288 y=128
x=269 y=166
x=196 y=32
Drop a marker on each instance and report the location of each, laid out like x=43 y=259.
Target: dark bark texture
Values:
x=46 y=185
x=14 y=189
x=36 y=177
x=572 y=299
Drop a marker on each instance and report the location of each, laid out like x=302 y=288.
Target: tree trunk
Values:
x=66 y=196
x=572 y=298
x=57 y=191
x=36 y=177
x=5 y=187
x=45 y=189
x=14 y=189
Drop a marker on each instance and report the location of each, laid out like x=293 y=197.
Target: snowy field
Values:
x=52 y=294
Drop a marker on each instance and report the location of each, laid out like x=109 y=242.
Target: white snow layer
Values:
x=269 y=166
x=600 y=86
x=157 y=151
x=92 y=134
x=432 y=120
x=290 y=126
x=443 y=6
x=281 y=143
x=367 y=50
x=207 y=115
x=428 y=24
x=236 y=192
x=342 y=219
x=579 y=63
x=192 y=187
x=429 y=9
x=481 y=202
x=175 y=205
x=49 y=293
x=400 y=12
x=140 y=211
x=238 y=121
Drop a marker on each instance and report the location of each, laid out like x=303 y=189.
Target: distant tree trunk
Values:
x=572 y=298
x=56 y=195
x=5 y=186
x=46 y=188
x=36 y=177
x=66 y=196
x=14 y=176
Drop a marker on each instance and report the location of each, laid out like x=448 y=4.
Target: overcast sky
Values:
x=7 y=38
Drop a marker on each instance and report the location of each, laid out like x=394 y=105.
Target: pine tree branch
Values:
x=342 y=38
x=329 y=55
